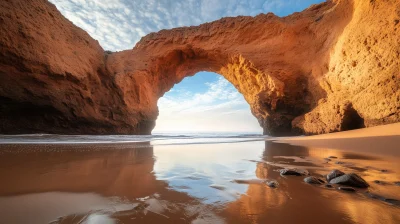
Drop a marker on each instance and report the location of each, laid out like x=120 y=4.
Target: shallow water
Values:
x=162 y=138
x=188 y=183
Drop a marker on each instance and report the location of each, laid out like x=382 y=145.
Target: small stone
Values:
x=350 y=179
x=332 y=157
x=359 y=169
x=295 y=172
x=384 y=171
x=272 y=183
x=392 y=201
x=328 y=185
x=397 y=183
x=339 y=162
x=333 y=174
x=347 y=189
x=313 y=180
x=140 y=207
x=381 y=198
x=380 y=182
x=218 y=187
x=373 y=196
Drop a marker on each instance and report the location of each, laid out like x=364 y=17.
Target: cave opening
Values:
x=352 y=120
x=205 y=103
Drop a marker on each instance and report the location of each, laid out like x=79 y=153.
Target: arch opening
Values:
x=205 y=102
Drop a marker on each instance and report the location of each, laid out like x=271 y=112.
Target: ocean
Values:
x=165 y=138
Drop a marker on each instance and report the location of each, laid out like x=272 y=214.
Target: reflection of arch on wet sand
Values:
x=103 y=168
x=71 y=178
x=77 y=175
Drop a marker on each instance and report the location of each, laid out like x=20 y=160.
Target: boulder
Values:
x=333 y=174
x=350 y=179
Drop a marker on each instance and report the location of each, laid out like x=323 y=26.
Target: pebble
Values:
x=332 y=157
x=381 y=198
x=218 y=187
x=380 y=182
x=295 y=172
x=347 y=189
x=313 y=180
x=272 y=183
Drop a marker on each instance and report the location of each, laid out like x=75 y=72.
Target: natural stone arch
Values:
x=310 y=72
x=260 y=90
x=274 y=81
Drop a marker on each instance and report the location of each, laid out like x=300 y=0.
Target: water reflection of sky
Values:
x=207 y=173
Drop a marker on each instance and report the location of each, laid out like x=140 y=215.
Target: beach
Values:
x=202 y=181
x=381 y=140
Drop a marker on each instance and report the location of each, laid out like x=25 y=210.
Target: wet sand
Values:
x=205 y=183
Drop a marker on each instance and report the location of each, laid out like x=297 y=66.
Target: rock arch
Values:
x=258 y=88
x=274 y=81
x=298 y=73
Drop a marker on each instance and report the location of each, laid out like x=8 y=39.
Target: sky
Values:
x=203 y=103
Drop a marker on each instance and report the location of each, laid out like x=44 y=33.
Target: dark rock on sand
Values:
x=333 y=174
x=313 y=180
x=380 y=182
x=347 y=189
x=295 y=172
x=397 y=183
x=350 y=179
x=359 y=169
x=332 y=157
x=328 y=185
x=272 y=183
x=218 y=187
x=384 y=171
x=339 y=162
x=392 y=201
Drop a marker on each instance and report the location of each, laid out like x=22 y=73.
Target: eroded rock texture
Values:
x=333 y=67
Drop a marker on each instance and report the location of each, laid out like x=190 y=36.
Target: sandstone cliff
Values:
x=333 y=67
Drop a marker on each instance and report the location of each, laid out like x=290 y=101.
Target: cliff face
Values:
x=333 y=67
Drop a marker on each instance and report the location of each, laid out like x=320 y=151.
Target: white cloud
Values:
x=119 y=24
x=187 y=101
x=220 y=108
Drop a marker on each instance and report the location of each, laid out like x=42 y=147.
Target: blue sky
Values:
x=195 y=104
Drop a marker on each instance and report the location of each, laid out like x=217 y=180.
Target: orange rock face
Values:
x=333 y=67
